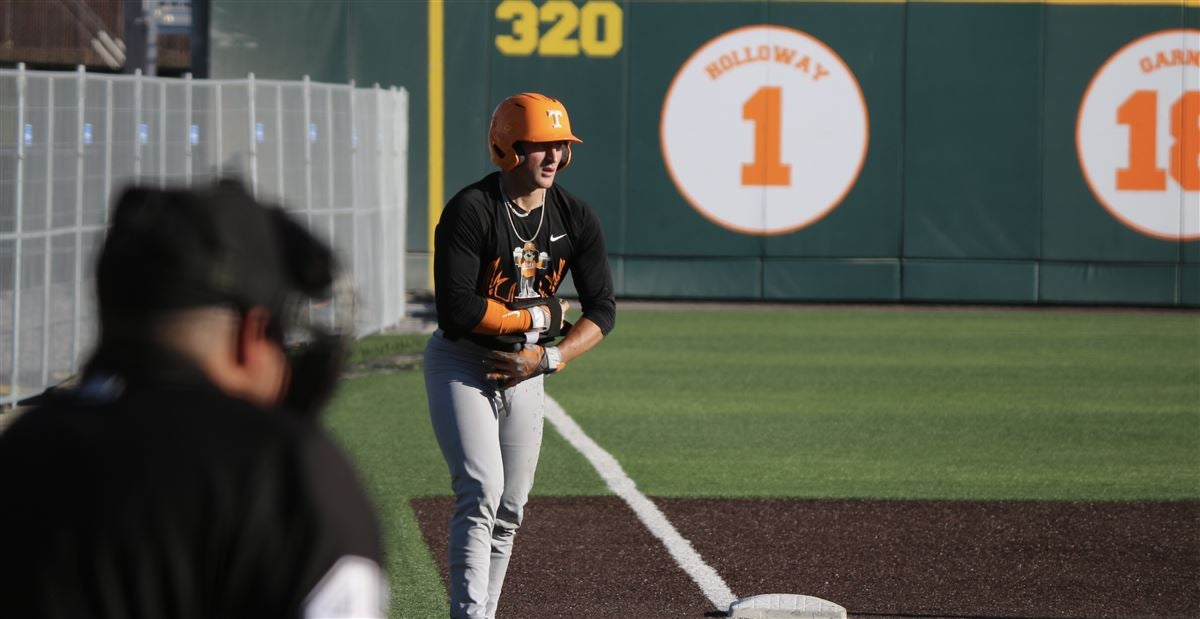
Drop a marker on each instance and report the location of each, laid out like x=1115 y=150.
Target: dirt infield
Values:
x=590 y=557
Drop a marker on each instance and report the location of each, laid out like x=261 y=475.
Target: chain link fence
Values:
x=333 y=155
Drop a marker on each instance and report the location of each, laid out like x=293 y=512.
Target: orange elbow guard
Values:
x=499 y=320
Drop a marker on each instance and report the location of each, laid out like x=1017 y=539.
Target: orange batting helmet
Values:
x=528 y=117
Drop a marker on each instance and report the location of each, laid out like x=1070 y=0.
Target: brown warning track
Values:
x=591 y=557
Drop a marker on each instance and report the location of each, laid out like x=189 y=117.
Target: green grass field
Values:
x=805 y=402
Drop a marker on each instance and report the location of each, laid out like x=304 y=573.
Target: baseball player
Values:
x=186 y=476
x=501 y=249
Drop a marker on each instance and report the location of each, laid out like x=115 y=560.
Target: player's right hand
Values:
x=508 y=369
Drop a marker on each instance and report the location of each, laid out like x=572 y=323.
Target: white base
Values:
x=785 y=606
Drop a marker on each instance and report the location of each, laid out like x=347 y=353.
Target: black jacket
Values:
x=161 y=496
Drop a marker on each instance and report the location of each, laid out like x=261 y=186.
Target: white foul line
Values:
x=610 y=470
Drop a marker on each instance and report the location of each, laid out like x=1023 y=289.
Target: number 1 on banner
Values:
x=1140 y=112
x=765 y=109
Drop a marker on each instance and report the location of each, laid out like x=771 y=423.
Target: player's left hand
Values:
x=510 y=368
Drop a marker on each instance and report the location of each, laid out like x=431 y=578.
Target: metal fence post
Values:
x=279 y=169
x=108 y=142
x=331 y=207
x=187 y=129
x=329 y=137
x=253 y=136
x=307 y=152
x=305 y=135
x=137 y=126
x=162 y=132
x=219 y=130
x=390 y=287
x=354 y=206
x=18 y=229
x=48 y=241
x=399 y=162
x=77 y=305
x=382 y=276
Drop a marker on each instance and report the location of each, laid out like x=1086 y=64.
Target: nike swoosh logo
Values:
x=555 y=238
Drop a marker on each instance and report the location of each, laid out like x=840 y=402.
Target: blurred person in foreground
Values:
x=187 y=474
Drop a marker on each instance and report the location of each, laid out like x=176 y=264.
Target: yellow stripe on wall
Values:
x=436 y=122
x=1178 y=3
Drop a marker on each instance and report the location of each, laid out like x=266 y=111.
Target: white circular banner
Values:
x=1138 y=135
x=764 y=130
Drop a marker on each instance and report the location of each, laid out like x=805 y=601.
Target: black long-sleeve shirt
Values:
x=484 y=249
x=173 y=499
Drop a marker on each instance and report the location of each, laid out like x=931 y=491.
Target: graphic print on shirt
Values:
x=530 y=258
x=529 y=261
x=545 y=286
x=553 y=279
x=496 y=279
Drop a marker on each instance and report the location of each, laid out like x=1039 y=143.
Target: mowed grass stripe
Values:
x=890 y=404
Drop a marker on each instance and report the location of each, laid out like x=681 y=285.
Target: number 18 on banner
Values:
x=1138 y=135
x=764 y=130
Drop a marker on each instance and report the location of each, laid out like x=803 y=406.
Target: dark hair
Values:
x=173 y=249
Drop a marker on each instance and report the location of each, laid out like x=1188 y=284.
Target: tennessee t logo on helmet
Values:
x=528 y=117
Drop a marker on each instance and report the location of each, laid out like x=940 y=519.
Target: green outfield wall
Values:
x=1010 y=152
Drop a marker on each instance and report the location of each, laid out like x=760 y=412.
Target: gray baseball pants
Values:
x=491 y=441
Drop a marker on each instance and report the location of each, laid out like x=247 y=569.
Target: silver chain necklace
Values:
x=510 y=206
